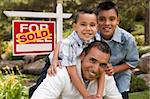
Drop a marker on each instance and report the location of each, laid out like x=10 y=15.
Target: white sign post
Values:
x=59 y=15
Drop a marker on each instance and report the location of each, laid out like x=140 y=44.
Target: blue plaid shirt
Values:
x=124 y=50
x=71 y=48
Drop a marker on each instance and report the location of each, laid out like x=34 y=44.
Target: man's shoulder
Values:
x=61 y=73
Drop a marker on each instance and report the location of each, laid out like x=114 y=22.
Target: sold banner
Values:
x=33 y=37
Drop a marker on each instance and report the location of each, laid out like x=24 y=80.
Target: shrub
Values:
x=11 y=86
x=137 y=84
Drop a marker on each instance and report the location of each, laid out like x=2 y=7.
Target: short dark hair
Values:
x=107 y=5
x=84 y=10
x=101 y=45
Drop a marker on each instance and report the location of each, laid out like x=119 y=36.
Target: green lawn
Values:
x=140 y=95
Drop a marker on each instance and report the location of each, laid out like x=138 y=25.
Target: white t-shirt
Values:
x=60 y=87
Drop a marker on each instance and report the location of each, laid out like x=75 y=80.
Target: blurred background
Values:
x=18 y=73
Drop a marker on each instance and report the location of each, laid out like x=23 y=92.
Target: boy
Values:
x=85 y=28
x=124 y=51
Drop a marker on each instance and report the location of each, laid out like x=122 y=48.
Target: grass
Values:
x=140 y=95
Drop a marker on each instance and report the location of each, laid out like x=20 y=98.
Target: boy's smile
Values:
x=107 y=20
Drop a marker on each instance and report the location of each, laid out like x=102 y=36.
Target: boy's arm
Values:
x=101 y=82
x=77 y=81
x=54 y=63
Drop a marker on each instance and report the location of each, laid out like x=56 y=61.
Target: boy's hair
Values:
x=101 y=45
x=83 y=11
x=107 y=5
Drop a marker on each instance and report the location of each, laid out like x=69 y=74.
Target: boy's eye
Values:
x=112 y=18
x=101 y=19
x=92 y=25
x=83 y=24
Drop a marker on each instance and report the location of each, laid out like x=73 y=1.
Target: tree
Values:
x=146 y=23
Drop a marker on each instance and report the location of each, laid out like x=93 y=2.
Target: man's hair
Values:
x=101 y=45
x=84 y=10
x=107 y=5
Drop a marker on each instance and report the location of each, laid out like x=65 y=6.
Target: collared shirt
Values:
x=124 y=50
x=60 y=86
x=71 y=48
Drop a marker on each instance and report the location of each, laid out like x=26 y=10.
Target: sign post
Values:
x=59 y=15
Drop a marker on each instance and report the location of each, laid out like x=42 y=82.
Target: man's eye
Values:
x=93 y=60
x=103 y=64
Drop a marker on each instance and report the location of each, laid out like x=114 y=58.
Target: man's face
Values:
x=91 y=63
x=86 y=26
x=107 y=20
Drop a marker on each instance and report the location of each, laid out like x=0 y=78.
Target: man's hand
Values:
x=109 y=69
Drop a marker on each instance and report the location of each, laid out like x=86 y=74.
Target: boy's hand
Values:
x=52 y=68
x=109 y=69
x=92 y=97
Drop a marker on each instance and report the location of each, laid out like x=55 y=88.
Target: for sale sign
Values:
x=33 y=37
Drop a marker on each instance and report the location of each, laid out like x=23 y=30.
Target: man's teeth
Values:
x=92 y=73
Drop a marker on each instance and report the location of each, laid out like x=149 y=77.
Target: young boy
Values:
x=85 y=28
x=124 y=51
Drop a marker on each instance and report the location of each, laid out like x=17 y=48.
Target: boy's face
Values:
x=86 y=26
x=107 y=20
x=92 y=62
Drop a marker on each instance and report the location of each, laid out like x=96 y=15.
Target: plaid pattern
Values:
x=71 y=49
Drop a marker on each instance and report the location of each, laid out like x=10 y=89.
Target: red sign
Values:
x=33 y=37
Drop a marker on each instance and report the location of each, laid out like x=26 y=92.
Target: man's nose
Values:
x=95 y=68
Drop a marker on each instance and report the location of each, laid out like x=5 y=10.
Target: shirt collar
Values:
x=117 y=35
x=78 y=40
x=76 y=37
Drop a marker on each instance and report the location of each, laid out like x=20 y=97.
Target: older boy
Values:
x=124 y=51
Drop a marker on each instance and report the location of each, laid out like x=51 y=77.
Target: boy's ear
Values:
x=118 y=21
x=74 y=26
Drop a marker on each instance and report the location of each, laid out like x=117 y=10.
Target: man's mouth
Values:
x=92 y=73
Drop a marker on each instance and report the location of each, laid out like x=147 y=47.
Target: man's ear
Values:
x=82 y=55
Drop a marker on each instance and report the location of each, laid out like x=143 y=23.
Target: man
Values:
x=90 y=66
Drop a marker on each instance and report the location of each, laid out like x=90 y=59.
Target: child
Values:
x=85 y=28
x=124 y=51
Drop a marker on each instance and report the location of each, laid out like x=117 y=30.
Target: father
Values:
x=97 y=54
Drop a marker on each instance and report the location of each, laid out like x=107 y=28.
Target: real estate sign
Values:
x=33 y=37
